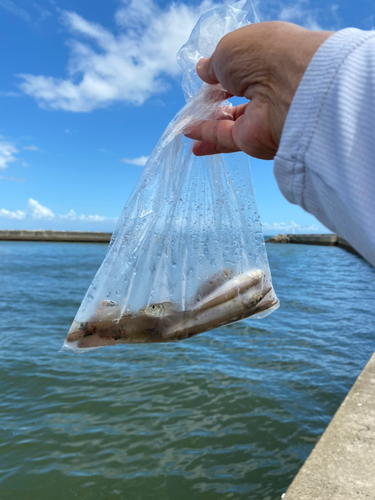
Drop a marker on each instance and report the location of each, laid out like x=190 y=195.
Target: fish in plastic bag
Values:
x=188 y=253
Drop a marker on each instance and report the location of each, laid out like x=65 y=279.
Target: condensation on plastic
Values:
x=188 y=217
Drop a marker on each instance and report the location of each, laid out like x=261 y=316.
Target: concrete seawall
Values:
x=57 y=236
x=87 y=236
x=342 y=464
x=313 y=239
x=101 y=237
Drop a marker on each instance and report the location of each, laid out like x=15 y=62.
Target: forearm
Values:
x=326 y=158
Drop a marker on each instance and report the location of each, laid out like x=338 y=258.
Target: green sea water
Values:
x=229 y=414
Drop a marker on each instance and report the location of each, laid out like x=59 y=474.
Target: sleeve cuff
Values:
x=304 y=113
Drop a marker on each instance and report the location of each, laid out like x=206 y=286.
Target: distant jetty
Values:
x=57 y=236
x=313 y=239
x=101 y=237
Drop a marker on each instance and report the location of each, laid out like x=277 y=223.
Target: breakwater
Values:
x=57 y=236
x=103 y=237
x=313 y=239
x=342 y=463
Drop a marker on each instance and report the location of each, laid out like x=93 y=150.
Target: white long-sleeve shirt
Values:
x=326 y=158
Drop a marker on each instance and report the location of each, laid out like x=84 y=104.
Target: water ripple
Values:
x=231 y=413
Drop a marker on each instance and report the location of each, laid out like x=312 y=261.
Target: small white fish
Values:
x=231 y=299
x=230 y=290
x=159 y=310
x=109 y=303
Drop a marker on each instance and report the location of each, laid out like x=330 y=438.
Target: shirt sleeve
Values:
x=326 y=158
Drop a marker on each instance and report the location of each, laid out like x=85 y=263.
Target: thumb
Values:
x=205 y=71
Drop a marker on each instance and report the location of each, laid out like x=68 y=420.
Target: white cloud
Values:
x=298 y=12
x=291 y=227
x=8 y=93
x=92 y=218
x=32 y=147
x=7 y=152
x=24 y=164
x=15 y=9
x=13 y=179
x=71 y=215
x=129 y=66
x=18 y=214
x=36 y=211
x=31 y=18
x=140 y=162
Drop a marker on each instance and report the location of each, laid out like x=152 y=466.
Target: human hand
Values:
x=264 y=63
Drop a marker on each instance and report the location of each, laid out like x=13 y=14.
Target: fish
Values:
x=209 y=318
x=230 y=290
x=210 y=285
x=109 y=303
x=159 y=310
x=221 y=300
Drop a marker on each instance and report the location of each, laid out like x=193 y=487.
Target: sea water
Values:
x=232 y=413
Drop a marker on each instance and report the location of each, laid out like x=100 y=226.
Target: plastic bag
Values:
x=188 y=252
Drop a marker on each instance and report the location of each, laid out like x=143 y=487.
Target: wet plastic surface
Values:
x=188 y=252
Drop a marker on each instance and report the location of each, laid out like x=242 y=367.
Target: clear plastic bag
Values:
x=188 y=252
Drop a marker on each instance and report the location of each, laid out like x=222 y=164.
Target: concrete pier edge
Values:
x=57 y=236
x=104 y=237
x=313 y=239
x=342 y=464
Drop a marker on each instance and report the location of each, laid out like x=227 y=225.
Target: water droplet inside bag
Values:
x=144 y=213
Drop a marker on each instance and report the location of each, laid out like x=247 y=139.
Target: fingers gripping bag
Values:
x=188 y=253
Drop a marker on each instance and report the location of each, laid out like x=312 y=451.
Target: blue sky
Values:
x=88 y=87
